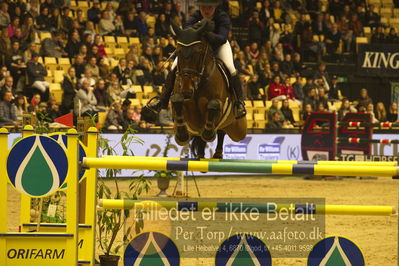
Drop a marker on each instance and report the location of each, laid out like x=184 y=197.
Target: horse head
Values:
x=191 y=52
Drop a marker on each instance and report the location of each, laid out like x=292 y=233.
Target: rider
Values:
x=208 y=9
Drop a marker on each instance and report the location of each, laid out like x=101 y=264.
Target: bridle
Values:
x=197 y=75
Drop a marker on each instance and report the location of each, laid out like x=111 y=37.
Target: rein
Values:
x=167 y=60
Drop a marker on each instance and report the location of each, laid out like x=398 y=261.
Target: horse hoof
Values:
x=208 y=135
x=182 y=142
x=182 y=137
x=218 y=155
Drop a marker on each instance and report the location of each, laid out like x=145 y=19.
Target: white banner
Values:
x=253 y=147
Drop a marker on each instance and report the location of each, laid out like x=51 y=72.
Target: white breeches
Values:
x=40 y=85
x=225 y=54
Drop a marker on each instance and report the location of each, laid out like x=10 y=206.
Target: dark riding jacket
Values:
x=220 y=34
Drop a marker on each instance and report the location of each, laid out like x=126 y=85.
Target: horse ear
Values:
x=175 y=29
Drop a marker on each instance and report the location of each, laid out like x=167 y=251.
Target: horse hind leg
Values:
x=219 y=148
x=182 y=136
x=214 y=109
x=198 y=147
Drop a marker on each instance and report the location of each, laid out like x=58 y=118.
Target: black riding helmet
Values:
x=208 y=2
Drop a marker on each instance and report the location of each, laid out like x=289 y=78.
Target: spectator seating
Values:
x=64 y=63
x=117 y=47
x=260 y=120
x=56 y=92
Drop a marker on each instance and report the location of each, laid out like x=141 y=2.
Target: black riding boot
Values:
x=239 y=106
x=165 y=95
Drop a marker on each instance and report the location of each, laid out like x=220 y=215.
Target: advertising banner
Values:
x=378 y=60
x=253 y=147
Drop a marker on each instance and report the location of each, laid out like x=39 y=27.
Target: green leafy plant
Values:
x=93 y=119
x=43 y=123
x=110 y=222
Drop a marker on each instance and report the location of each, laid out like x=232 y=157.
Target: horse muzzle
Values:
x=187 y=85
x=188 y=93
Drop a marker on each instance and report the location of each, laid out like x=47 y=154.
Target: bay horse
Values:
x=201 y=98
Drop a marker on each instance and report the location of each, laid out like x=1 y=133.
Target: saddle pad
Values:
x=226 y=111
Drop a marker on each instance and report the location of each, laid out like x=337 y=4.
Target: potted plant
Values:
x=163 y=177
x=110 y=222
x=163 y=181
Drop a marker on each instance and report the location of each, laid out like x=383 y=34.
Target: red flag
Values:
x=65 y=120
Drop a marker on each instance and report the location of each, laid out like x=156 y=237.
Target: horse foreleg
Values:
x=182 y=137
x=219 y=148
x=214 y=109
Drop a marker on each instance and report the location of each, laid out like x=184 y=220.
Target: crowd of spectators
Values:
x=281 y=34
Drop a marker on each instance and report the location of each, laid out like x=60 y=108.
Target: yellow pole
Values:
x=3 y=193
x=359 y=210
x=359 y=163
x=72 y=197
x=124 y=164
x=117 y=157
x=91 y=195
x=285 y=169
x=354 y=170
x=151 y=205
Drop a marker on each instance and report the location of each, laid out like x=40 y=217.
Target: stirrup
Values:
x=154 y=104
x=239 y=110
